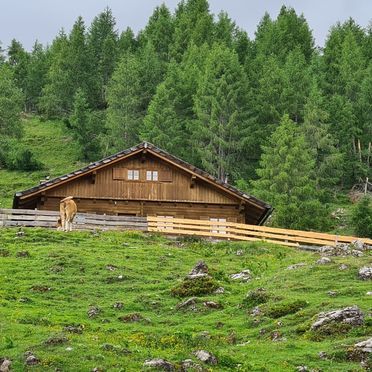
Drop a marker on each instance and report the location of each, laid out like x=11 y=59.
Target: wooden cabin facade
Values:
x=146 y=181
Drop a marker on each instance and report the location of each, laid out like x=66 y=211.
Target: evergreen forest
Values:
x=274 y=114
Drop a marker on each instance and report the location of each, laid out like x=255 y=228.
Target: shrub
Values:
x=256 y=297
x=361 y=217
x=285 y=308
x=195 y=287
x=23 y=159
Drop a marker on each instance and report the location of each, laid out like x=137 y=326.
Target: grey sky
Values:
x=28 y=20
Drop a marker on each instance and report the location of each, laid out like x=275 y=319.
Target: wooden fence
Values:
x=239 y=231
x=175 y=226
x=82 y=221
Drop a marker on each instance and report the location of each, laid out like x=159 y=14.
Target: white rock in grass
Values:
x=5 y=365
x=159 y=364
x=324 y=261
x=365 y=273
x=206 y=357
x=243 y=276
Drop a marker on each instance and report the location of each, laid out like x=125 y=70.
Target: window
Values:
x=151 y=175
x=133 y=174
x=218 y=228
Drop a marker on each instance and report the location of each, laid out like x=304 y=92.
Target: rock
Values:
x=31 y=359
x=256 y=311
x=276 y=336
x=296 y=266
x=365 y=273
x=111 y=267
x=24 y=254
x=323 y=355
x=219 y=290
x=40 y=288
x=324 y=261
x=365 y=346
x=369 y=293
x=205 y=357
x=212 y=305
x=190 y=365
x=69 y=348
x=356 y=253
x=350 y=315
x=199 y=270
x=302 y=368
x=5 y=365
x=358 y=245
x=239 y=252
x=362 y=352
x=243 y=276
x=343 y=267
x=332 y=293
x=118 y=305
x=56 y=340
x=20 y=234
x=72 y=328
x=189 y=304
x=159 y=364
x=25 y=300
x=131 y=318
x=93 y=311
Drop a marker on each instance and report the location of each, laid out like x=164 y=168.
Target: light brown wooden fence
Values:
x=82 y=221
x=238 y=231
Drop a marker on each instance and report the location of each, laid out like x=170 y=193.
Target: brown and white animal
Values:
x=67 y=212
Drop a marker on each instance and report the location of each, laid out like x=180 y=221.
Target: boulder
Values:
x=296 y=266
x=5 y=365
x=343 y=267
x=159 y=364
x=361 y=351
x=256 y=311
x=324 y=261
x=358 y=245
x=189 y=304
x=205 y=357
x=190 y=365
x=322 y=355
x=365 y=273
x=131 y=318
x=74 y=328
x=365 y=346
x=350 y=315
x=31 y=359
x=219 y=290
x=302 y=368
x=332 y=293
x=199 y=270
x=212 y=305
x=243 y=276
x=93 y=311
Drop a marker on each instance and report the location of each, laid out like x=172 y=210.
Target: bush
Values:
x=195 y=287
x=285 y=308
x=23 y=159
x=256 y=297
x=361 y=218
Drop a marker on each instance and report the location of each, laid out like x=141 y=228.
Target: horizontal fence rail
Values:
x=239 y=231
x=82 y=221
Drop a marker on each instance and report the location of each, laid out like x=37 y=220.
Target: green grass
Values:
x=74 y=267
x=53 y=145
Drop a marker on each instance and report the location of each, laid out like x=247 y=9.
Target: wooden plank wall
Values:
x=82 y=221
x=238 y=231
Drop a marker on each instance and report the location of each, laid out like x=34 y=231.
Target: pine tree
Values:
x=286 y=179
x=18 y=59
x=220 y=103
x=127 y=42
x=103 y=45
x=361 y=218
x=329 y=161
x=11 y=101
x=193 y=24
x=37 y=70
x=171 y=111
x=86 y=127
x=57 y=94
x=159 y=32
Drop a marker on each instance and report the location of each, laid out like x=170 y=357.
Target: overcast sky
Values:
x=28 y=20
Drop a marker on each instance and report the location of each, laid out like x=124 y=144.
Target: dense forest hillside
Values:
x=275 y=115
x=111 y=301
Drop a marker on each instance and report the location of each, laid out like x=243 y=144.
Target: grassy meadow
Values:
x=62 y=276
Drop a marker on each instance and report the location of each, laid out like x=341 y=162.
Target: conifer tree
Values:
x=127 y=42
x=220 y=106
x=286 y=180
x=86 y=127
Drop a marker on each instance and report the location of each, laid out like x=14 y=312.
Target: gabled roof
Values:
x=132 y=151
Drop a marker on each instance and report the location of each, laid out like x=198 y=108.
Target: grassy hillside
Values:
x=64 y=275
x=53 y=145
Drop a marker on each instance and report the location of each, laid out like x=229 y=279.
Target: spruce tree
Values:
x=220 y=105
x=286 y=180
x=86 y=127
x=127 y=42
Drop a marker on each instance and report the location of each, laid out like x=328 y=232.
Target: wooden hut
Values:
x=146 y=181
